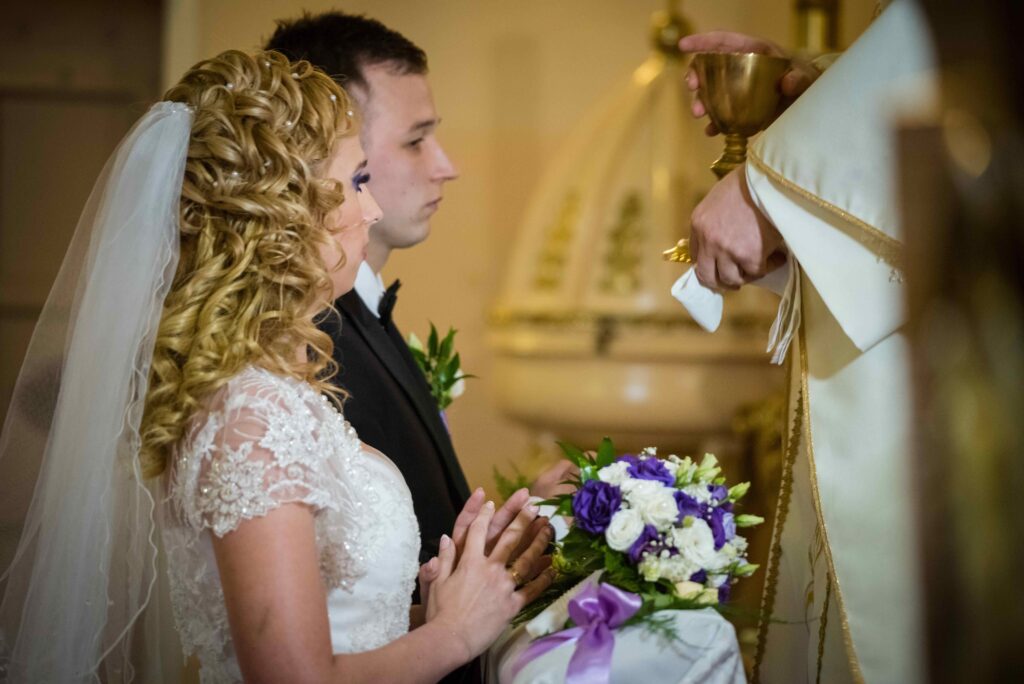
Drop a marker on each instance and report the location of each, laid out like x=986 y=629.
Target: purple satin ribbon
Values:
x=596 y=610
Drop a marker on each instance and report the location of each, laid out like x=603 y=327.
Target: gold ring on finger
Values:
x=516 y=577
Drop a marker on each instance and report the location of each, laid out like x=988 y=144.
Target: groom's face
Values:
x=407 y=165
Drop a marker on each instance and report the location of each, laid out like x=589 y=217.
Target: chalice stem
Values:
x=735 y=154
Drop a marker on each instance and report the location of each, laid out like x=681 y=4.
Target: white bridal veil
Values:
x=84 y=579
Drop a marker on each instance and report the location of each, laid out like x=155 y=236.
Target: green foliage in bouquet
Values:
x=507 y=485
x=440 y=364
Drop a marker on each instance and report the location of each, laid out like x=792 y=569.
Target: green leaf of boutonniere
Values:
x=440 y=364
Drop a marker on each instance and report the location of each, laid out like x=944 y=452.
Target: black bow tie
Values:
x=387 y=302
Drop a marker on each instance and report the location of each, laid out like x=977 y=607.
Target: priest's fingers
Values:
x=729 y=274
x=729 y=41
x=692 y=81
x=695 y=246
x=697 y=107
x=509 y=539
x=776 y=260
x=468 y=514
x=529 y=592
x=797 y=80
x=704 y=267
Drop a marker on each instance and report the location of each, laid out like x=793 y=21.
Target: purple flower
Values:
x=649 y=540
x=723 y=526
x=594 y=505
x=701 y=576
x=718 y=492
x=688 y=505
x=723 y=592
x=650 y=468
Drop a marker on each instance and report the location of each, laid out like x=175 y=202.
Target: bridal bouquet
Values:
x=656 y=533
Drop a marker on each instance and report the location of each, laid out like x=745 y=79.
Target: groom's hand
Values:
x=551 y=482
x=502 y=517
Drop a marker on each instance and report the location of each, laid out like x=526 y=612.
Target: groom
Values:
x=390 y=405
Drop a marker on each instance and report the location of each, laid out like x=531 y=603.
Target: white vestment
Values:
x=841 y=596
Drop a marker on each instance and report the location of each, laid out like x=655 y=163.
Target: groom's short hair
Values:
x=342 y=45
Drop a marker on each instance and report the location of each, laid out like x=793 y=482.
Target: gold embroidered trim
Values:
x=823 y=626
x=888 y=248
x=781 y=512
x=851 y=653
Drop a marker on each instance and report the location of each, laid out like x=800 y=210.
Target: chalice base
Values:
x=735 y=154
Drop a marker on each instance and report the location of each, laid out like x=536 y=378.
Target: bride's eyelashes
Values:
x=359 y=180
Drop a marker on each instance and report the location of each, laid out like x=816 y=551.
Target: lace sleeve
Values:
x=254 y=450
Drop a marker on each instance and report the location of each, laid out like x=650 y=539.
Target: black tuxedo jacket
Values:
x=391 y=408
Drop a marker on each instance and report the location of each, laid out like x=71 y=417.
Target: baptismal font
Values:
x=589 y=341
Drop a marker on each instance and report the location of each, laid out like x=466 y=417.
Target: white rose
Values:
x=614 y=474
x=696 y=543
x=655 y=503
x=689 y=590
x=624 y=529
x=458 y=388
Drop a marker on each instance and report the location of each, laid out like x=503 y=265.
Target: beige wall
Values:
x=510 y=79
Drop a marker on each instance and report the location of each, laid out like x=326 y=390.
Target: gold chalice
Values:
x=740 y=91
x=741 y=94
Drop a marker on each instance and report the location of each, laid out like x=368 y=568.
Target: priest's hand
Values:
x=794 y=82
x=731 y=242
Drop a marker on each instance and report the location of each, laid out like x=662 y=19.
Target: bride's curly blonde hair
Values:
x=252 y=216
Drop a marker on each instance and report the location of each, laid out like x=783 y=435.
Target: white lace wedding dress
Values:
x=262 y=441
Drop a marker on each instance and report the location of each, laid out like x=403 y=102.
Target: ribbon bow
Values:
x=387 y=302
x=596 y=610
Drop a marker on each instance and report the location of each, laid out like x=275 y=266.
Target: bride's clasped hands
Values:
x=475 y=588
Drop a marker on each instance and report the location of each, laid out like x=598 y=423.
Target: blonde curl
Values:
x=252 y=217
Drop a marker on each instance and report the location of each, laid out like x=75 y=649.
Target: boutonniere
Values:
x=440 y=364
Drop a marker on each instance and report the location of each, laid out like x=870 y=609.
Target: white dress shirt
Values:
x=370 y=287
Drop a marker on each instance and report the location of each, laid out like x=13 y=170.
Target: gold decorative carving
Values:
x=555 y=254
x=622 y=260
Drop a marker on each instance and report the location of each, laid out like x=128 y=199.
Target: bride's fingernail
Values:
x=445 y=541
x=479 y=491
x=489 y=505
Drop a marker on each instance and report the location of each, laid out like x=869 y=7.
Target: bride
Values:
x=193 y=412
